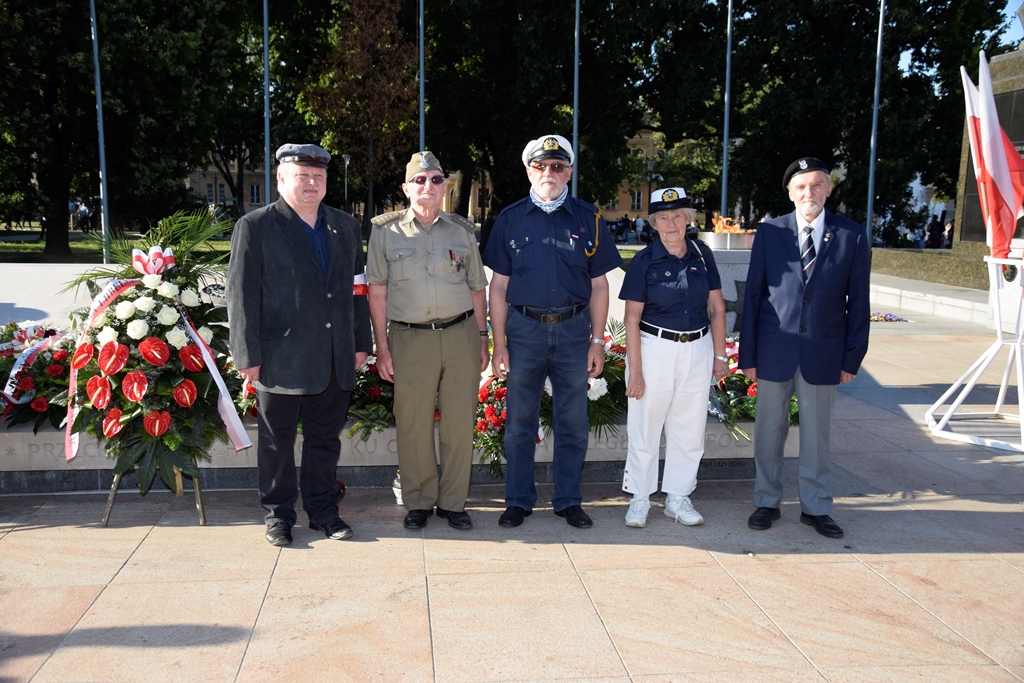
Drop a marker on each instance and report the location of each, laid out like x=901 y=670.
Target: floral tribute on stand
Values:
x=146 y=369
x=34 y=363
x=735 y=397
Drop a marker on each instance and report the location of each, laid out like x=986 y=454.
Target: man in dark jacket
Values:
x=300 y=327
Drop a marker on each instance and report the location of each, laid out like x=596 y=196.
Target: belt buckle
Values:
x=434 y=326
x=549 y=318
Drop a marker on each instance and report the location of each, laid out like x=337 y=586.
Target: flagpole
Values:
x=576 y=102
x=874 y=122
x=104 y=202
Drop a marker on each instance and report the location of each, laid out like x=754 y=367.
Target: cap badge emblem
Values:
x=669 y=196
x=550 y=144
x=424 y=161
x=803 y=164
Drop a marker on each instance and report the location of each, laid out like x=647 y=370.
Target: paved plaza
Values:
x=928 y=583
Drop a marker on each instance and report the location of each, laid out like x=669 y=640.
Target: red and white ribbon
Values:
x=156 y=261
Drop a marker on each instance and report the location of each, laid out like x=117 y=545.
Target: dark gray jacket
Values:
x=284 y=314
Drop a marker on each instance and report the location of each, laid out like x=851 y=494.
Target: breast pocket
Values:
x=400 y=263
x=665 y=286
x=455 y=267
x=522 y=253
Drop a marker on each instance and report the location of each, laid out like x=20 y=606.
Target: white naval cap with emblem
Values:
x=548 y=147
x=667 y=199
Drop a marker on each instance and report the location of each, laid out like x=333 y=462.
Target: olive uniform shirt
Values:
x=426 y=268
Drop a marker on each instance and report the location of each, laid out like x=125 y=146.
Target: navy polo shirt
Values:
x=317 y=236
x=544 y=255
x=673 y=290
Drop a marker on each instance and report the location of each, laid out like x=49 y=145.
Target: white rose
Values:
x=125 y=310
x=167 y=316
x=107 y=334
x=168 y=289
x=177 y=338
x=101 y=320
x=189 y=298
x=152 y=281
x=598 y=388
x=137 y=329
x=145 y=303
x=205 y=333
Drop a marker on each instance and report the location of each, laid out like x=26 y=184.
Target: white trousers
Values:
x=678 y=380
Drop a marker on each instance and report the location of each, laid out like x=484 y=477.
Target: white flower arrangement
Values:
x=189 y=298
x=177 y=338
x=125 y=309
x=107 y=334
x=205 y=333
x=145 y=303
x=168 y=290
x=598 y=388
x=152 y=281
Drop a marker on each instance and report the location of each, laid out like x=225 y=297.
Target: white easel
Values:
x=1000 y=291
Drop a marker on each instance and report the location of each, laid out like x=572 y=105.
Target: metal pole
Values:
x=576 y=103
x=266 y=105
x=102 y=140
x=347 y=158
x=874 y=122
x=423 y=131
x=725 y=127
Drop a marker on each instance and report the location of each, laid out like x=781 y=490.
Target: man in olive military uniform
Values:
x=425 y=277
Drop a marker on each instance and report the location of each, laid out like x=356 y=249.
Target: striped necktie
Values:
x=807 y=253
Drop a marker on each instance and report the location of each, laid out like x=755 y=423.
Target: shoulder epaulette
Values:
x=386 y=218
x=469 y=225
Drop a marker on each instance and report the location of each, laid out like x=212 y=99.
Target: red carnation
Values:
x=26 y=383
x=250 y=390
x=373 y=392
x=83 y=354
x=484 y=394
x=157 y=422
x=500 y=393
x=481 y=426
x=185 y=393
x=191 y=357
x=372 y=368
x=489 y=412
x=40 y=404
x=60 y=356
x=112 y=423
x=752 y=389
x=155 y=351
x=495 y=420
x=134 y=386
x=54 y=370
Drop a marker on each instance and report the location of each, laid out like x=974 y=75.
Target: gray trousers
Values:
x=772 y=427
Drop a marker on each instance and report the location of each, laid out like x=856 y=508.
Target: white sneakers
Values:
x=678 y=508
x=681 y=509
x=636 y=516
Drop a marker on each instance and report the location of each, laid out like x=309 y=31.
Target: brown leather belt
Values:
x=681 y=337
x=443 y=325
x=543 y=315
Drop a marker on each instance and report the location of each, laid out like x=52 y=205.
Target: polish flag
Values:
x=998 y=166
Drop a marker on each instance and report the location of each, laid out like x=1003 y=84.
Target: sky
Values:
x=1014 y=34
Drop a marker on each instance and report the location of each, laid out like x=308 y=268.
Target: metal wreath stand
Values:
x=1005 y=278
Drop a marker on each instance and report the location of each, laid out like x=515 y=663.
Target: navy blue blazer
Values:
x=821 y=327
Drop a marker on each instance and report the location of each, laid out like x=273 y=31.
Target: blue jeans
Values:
x=536 y=351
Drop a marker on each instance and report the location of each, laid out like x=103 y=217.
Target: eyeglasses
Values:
x=434 y=180
x=556 y=167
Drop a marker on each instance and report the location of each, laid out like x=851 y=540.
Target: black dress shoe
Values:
x=417 y=519
x=575 y=516
x=334 y=529
x=762 y=518
x=279 y=533
x=513 y=516
x=823 y=524
x=456 y=520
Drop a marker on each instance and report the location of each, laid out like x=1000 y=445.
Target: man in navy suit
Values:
x=805 y=329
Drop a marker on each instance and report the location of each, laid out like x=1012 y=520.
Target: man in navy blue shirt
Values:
x=549 y=304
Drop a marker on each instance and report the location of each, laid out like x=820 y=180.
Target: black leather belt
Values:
x=443 y=325
x=543 y=315
x=682 y=337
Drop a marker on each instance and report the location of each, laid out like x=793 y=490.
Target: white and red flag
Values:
x=998 y=166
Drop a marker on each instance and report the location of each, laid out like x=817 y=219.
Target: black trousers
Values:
x=323 y=417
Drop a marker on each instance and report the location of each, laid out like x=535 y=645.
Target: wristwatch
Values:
x=597 y=340
x=724 y=359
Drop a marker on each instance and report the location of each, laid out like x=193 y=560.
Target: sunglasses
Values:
x=434 y=180
x=556 y=167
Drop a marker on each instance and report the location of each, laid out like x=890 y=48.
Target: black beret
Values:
x=804 y=165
